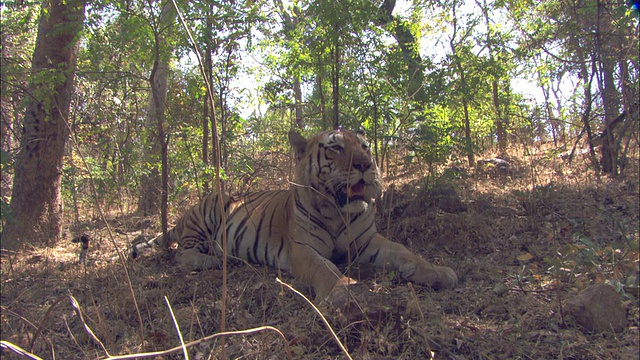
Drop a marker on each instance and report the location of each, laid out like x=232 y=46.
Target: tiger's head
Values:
x=339 y=166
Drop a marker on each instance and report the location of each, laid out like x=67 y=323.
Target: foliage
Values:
x=412 y=76
x=434 y=141
x=583 y=261
x=431 y=83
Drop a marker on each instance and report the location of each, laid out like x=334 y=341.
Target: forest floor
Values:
x=522 y=242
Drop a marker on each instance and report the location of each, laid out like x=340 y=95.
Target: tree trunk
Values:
x=151 y=187
x=501 y=133
x=297 y=96
x=547 y=104
x=208 y=65
x=335 y=81
x=401 y=31
x=463 y=89
x=609 y=150
x=320 y=89
x=495 y=78
x=36 y=202
x=205 y=143
x=297 y=83
x=467 y=130
x=605 y=50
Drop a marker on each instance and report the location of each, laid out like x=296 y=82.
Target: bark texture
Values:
x=36 y=203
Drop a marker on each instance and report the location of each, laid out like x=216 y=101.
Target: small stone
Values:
x=598 y=309
x=500 y=289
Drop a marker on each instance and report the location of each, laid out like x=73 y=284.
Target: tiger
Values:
x=326 y=214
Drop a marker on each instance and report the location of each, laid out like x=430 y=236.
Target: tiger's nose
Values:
x=362 y=166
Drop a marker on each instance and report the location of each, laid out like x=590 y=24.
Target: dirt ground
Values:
x=522 y=240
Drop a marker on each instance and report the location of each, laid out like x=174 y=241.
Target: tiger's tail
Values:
x=143 y=243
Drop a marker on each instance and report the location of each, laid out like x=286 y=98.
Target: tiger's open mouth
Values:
x=346 y=195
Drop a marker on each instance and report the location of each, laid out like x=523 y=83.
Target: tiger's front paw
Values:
x=437 y=277
x=336 y=292
x=447 y=278
x=193 y=260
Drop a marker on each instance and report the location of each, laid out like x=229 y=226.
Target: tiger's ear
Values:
x=298 y=143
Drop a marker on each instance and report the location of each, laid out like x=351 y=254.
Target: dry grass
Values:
x=544 y=231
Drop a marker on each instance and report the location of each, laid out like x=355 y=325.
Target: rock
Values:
x=598 y=309
x=454 y=172
x=494 y=167
x=500 y=289
x=499 y=163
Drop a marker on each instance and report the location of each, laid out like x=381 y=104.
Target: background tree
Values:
x=154 y=184
x=495 y=45
x=429 y=85
x=17 y=43
x=36 y=203
x=588 y=40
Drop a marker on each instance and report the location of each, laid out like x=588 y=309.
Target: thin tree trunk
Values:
x=463 y=89
x=297 y=85
x=36 y=202
x=500 y=123
x=560 y=127
x=211 y=116
x=401 y=31
x=152 y=188
x=499 y=116
x=205 y=143
x=465 y=108
x=605 y=48
x=297 y=96
x=467 y=128
x=205 y=116
x=547 y=103
x=335 y=82
x=586 y=115
x=319 y=82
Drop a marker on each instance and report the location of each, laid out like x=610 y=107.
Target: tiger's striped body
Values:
x=327 y=213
